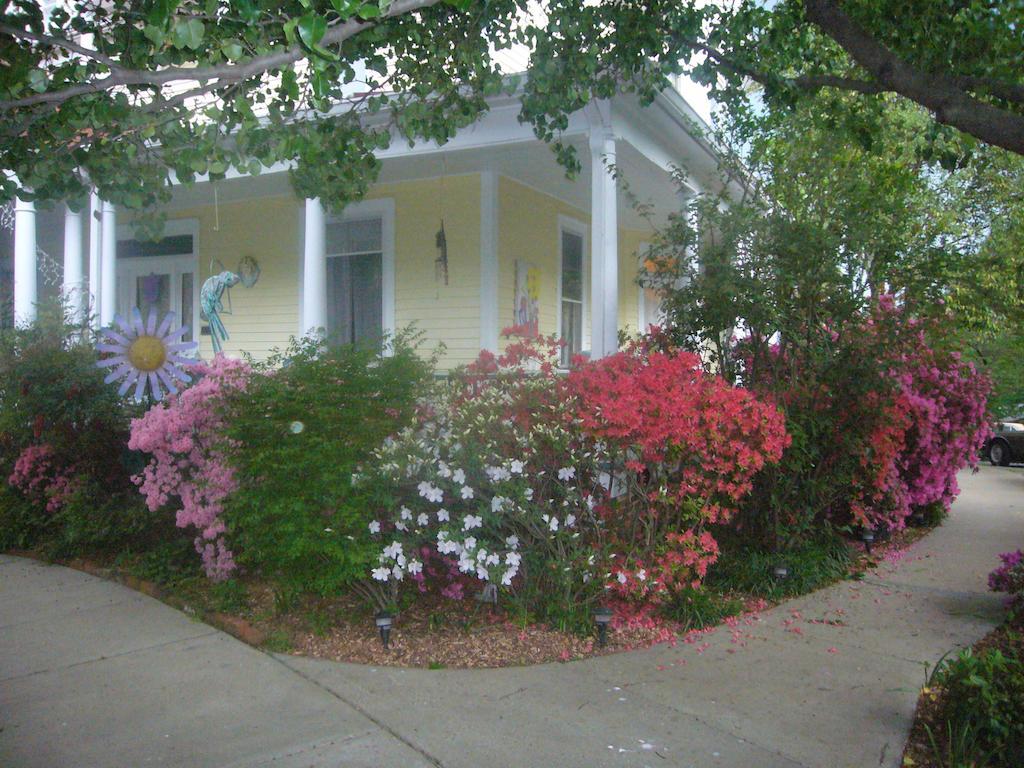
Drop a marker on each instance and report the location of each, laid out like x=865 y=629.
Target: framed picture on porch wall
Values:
x=526 y=310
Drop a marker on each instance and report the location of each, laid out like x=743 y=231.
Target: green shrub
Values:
x=63 y=434
x=984 y=696
x=747 y=569
x=297 y=434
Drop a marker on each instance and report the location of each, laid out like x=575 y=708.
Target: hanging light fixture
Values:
x=384 y=621
x=602 y=617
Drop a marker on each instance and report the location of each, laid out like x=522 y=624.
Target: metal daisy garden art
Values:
x=142 y=353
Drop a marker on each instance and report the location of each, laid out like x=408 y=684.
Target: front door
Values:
x=159 y=276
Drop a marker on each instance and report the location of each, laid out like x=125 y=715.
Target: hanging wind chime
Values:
x=440 y=239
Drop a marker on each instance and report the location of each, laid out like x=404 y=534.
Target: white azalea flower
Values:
x=553 y=524
x=497 y=474
x=406 y=513
x=622 y=577
x=415 y=567
x=570 y=521
x=528 y=494
x=492 y=559
x=513 y=559
x=512 y=542
x=398 y=573
x=458 y=476
x=469 y=522
x=443 y=516
x=469 y=543
x=423 y=519
x=482 y=574
x=642 y=574
x=516 y=467
x=400 y=526
x=566 y=473
x=443 y=470
x=467 y=492
x=497 y=503
x=381 y=574
x=430 y=492
x=393 y=550
x=374 y=526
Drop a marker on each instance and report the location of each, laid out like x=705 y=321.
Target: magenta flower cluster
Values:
x=1009 y=577
x=38 y=474
x=188 y=468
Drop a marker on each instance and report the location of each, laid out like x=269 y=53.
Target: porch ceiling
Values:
x=531 y=163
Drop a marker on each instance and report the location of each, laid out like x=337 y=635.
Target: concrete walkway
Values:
x=93 y=674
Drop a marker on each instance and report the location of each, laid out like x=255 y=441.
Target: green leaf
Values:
x=232 y=49
x=311 y=29
x=188 y=33
x=154 y=34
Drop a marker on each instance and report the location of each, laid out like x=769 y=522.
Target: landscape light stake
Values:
x=781 y=572
x=384 y=619
x=602 y=617
x=868 y=537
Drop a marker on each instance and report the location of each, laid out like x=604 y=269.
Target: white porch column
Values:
x=604 y=246
x=93 y=302
x=314 y=268
x=25 y=280
x=108 y=264
x=74 y=287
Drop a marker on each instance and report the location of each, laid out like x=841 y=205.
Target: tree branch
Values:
x=58 y=42
x=951 y=105
x=224 y=73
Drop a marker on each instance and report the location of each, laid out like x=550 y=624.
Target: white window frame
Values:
x=176 y=264
x=383 y=209
x=574 y=227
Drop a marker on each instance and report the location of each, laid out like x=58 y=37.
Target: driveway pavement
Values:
x=94 y=674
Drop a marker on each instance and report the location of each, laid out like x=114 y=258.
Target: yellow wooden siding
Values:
x=444 y=313
x=529 y=229
x=268 y=229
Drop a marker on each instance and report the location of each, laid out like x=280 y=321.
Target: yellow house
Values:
x=459 y=240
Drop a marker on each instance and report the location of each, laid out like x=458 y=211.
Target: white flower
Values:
x=497 y=474
x=400 y=560
x=374 y=526
x=393 y=550
x=423 y=519
x=430 y=493
x=458 y=476
x=516 y=467
x=512 y=542
x=481 y=555
x=442 y=516
x=492 y=559
x=398 y=573
x=528 y=494
x=467 y=492
x=622 y=577
x=642 y=574
x=400 y=526
x=513 y=559
x=469 y=543
x=406 y=513
x=570 y=521
x=553 y=523
x=507 y=577
x=469 y=522
x=382 y=573
x=415 y=567
x=482 y=574
x=443 y=470
x=328 y=530
x=590 y=502
x=566 y=473
x=497 y=503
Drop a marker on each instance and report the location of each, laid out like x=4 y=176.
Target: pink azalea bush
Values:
x=188 y=469
x=1009 y=577
x=40 y=475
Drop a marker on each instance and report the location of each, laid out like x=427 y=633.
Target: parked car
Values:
x=1007 y=442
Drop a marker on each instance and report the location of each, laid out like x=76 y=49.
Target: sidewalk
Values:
x=93 y=674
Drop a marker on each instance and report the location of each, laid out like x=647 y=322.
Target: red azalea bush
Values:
x=683 y=448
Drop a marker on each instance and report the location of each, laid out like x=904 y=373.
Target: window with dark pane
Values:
x=572 y=295
x=354 y=281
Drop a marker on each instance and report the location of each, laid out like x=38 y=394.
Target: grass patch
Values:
x=700 y=608
x=747 y=570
